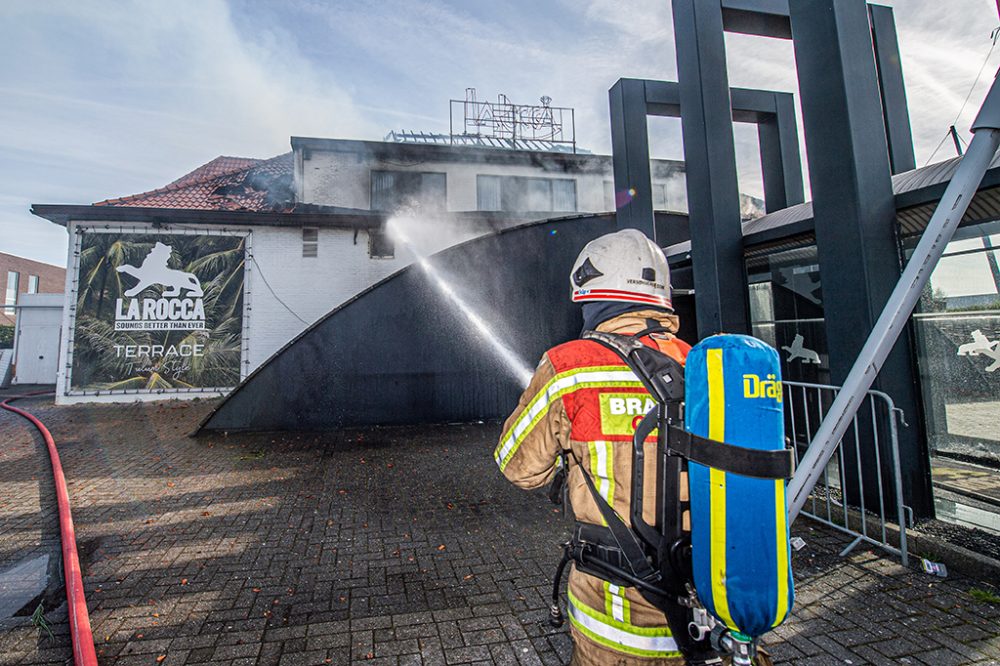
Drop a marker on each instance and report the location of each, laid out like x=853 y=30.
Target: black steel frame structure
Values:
x=857 y=134
x=632 y=100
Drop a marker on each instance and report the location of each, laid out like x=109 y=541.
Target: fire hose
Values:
x=79 y=619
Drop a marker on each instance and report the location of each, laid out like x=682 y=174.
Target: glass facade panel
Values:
x=521 y=194
x=32 y=284
x=395 y=190
x=957 y=343
x=957 y=330
x=786 y=311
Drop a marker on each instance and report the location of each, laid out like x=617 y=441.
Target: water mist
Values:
x=517 y=367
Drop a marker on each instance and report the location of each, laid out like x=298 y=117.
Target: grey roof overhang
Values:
x=304 y=215
x=917 y=193
x=348 y=218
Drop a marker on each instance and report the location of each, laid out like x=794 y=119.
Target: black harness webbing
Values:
x=623 y=536
x=731 y=458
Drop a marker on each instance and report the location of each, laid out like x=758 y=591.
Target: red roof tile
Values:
x=225 y=183
x=220 y=166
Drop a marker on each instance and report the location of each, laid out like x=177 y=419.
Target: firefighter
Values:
x=584 y=402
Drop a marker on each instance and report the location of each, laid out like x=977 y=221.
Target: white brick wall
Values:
x=340 y=178
x=311 y=287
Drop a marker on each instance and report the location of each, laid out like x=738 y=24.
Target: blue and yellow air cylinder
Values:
x=739 y=524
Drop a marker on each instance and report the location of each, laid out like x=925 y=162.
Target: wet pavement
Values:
x=375 y=546
x=29 y=528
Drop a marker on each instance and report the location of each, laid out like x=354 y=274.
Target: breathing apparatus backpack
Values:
x=729 y=581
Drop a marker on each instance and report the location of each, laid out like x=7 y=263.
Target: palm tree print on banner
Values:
x=106 y=360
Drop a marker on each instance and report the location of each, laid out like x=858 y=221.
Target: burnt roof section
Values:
x=225 y=183
x=220 y=166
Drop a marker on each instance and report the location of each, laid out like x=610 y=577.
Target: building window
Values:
x=488 y=193
x=957 y=343
x=380 y=245
x=32 y=284
x=522 y=194
x=408 y=190
x=786 y=311
x=10 y=299
x=957 y=329
x=310 y=242
x=659 y=196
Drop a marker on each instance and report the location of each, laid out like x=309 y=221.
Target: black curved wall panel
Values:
x=400 y=353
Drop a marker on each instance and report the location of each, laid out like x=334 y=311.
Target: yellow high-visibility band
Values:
x=554 y=389
x=717 y=485
x=781 y=538
x=602 y=471
x=616 y=604
x=621 y=636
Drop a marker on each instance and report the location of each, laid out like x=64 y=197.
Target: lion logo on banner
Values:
x=154 y=271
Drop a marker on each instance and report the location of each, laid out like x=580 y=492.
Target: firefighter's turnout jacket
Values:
x=583 y=397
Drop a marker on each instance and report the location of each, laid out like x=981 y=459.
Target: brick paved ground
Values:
x=380 y=546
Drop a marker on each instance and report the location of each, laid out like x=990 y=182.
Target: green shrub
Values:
x=6 y=337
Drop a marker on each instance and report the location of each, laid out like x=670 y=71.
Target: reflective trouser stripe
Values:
x=557 y=387
x=615 y=603
x=621 y=636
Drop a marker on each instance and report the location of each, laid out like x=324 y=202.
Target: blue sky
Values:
x=104 y=99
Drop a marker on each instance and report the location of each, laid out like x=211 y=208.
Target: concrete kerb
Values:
x=920 y=545
x=963 y=560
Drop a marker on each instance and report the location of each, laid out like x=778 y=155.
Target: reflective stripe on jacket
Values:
x=583 y=397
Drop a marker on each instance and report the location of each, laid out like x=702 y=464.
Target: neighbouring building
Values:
x=25 y=276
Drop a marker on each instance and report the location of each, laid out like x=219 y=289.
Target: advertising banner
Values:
x=158 y=311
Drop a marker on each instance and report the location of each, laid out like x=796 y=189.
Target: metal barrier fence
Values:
x=840 y=498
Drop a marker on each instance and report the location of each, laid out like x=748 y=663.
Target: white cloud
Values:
x=103 y=99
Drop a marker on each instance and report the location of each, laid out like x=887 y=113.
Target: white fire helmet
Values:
x=624 y=266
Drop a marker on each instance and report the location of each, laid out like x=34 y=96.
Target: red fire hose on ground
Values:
x=79 y=619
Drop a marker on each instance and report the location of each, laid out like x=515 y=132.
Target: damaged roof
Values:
x=225 y=183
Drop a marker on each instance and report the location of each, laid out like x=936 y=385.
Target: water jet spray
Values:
x=512 y=363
